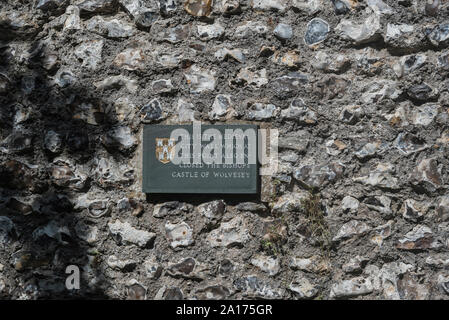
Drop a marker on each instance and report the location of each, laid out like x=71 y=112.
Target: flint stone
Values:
x=179 y=234
x=361 y=33
x=269 y=265
x=230 y=234
x=317 y=31
x=124 y=233
x=351 y=229
x=253 y=287
x=420 y=238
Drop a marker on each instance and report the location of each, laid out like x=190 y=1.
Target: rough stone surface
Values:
x=358 y=90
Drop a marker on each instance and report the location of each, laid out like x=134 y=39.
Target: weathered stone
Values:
x=320 y=175
x=200 y=80
x=188 y=268
x=222 y=106
x=267 y=264
x=117 y=82
x=409 y=144
x=380 y=177
x=250 y=29
x=235 y=54
x=294 y=141
x=317 y=31
x=125 y=265
x=290 y=59
x=289 y=85
x=278 y=5
x=230 y=234
x=351 y=229
x=162 y=86
x=313 y=264
x=412 y=210
x=370 y=149
x=112 y=28
x=310 y=7
x=86 y=232
x=131 y=59
x=420 y=238
x=427 y=175
x=67 y=175
x=73 y=21
x=351 y=114
x=214 y=292
x=283 y=31
x=51 y=230
x=299 y=112
x=350 y=204
x=52 y=5
x=213 y=210
x=334 y=147
x=198 y=8
x=438 y=35
x=422 y=92
x=333 y=64
x=247 y=76
x=136 y=291
x=351 y=288
x=179 y=234
x=120 y=137
x=381 y=233
x=365 y=32
x=443 y=208
x=185 y=111
x=7 y=230
x=403 y=36
x=19 y=141
x=380 y=90
x=260 y=111
x=172 y=208
x=230 y=6
x=124 y=233
x=90 y=7
x=289 y=202
x=251 y=286
x=379 y=7
x=303 y=288
x=89 y=53
x=152 y=268
x=355 y=265
x=144 y=14
x=152 y=111
x=380 y=204
x=210 y=31
x=408 y=64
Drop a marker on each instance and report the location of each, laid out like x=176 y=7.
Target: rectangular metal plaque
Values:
x=161 y=175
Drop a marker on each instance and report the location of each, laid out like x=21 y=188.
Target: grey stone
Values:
x=351 y=229
x=267 y=264
x=360 y=33
x=351 y=288
x=7 y=230
x=283 y=31
x=124 y=233
x=317 y=31
x=89 y=53
x=420 y=237
x=303 y=288
x=234 y=233
x=179 y=234
x=428 y=175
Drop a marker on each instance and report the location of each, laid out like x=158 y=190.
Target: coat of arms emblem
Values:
x=165 y=149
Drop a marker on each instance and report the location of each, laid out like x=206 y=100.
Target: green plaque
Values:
x=212 y=159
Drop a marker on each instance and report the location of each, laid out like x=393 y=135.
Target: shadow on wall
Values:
x=47 y=140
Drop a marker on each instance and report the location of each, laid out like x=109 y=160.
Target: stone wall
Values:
x=357 y=89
